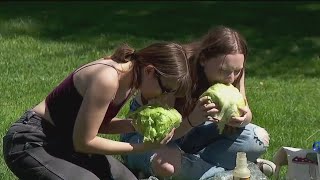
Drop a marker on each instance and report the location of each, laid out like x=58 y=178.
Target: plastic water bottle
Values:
x=316 y=148
x=241 y=171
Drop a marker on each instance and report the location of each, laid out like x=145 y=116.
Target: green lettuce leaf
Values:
x=154 y=122
x=228 y=99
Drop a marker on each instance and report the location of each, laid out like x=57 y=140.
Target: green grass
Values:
x=40 y=43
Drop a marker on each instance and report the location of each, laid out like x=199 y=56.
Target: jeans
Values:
x=207 y=152
x=221 y=149
x=217 y=156
x=34 y=149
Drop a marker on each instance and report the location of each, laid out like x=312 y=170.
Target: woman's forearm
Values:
x=100 y=145
x=117 y=126
x=182 y=129
x=249 y=117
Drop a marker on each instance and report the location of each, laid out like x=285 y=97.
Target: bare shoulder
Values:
x=105 y=78
x=100 y=81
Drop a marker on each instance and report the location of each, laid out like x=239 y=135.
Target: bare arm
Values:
x=117 y=126
x=101 y=90
x=199 y=114
x=241 y=87
x=183 y=129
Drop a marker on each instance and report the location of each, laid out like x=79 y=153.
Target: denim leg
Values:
x=222 y=152
x=31 y=148
x=118 y=170
x=199 y=137
x=137 y=161
x=29 y=159
x=193 y=167
x=218 y=152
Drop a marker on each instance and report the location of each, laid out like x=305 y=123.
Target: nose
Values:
x=230 y=78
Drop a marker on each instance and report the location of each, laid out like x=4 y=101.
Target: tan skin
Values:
x=224 y=69
x=99 y=85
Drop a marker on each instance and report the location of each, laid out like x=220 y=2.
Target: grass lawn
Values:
x=41 y=43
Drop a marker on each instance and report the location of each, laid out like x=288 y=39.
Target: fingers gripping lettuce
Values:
x=154 y=122
x=228 y=99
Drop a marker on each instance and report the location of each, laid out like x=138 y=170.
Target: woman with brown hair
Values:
x=218 y=57
x=58 y=138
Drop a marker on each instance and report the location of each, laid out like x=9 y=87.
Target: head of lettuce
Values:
x=154 y=121
x=228 y=99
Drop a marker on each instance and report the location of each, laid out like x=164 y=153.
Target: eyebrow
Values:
x=222 y=67
x=234 y=69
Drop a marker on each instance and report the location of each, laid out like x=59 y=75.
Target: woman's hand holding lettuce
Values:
x=229 y=100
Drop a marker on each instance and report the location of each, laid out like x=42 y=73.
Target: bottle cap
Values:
x=316 y=146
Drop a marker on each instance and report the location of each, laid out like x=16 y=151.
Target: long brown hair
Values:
x=169 y=59
x=217 y=42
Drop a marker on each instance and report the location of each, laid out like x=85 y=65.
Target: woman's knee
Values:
x=256 y=133
x=262 y=135
x=166 y=162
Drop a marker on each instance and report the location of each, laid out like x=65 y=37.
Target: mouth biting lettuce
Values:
x=229 y=99
x=154 y=122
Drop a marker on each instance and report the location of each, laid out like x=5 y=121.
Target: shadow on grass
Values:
x=284 y=38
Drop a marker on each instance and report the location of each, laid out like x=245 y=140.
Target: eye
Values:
x=164 y=89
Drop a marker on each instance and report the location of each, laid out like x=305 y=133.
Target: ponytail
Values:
x=124 y=54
